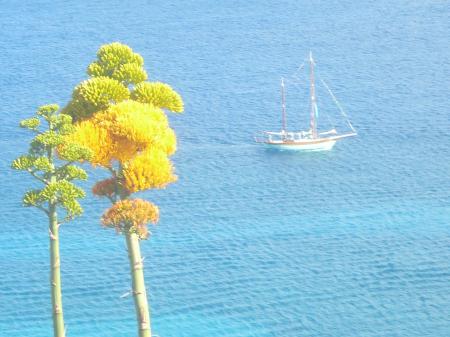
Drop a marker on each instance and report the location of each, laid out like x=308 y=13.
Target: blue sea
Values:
x=251 y=243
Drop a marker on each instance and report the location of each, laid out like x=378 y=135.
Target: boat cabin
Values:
x=281 y=137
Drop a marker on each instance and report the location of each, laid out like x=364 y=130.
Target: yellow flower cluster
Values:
x=96 y=139
x=149 y=169
x=138 y=123
x=131 y=215
x=138 y=136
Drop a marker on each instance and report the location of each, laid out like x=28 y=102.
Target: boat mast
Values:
x=313 y=122
x=283 y=108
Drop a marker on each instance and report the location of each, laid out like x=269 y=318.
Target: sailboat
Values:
x=312 y=139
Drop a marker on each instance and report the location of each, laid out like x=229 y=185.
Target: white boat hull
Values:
x=303 y=146
x=309 y=144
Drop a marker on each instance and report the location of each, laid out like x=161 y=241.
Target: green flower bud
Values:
x=30 y=123
x=159 y=94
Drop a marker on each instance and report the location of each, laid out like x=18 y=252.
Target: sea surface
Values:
x=251 y=242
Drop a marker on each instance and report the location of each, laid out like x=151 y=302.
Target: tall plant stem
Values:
x=139 y=292
x=55 y=274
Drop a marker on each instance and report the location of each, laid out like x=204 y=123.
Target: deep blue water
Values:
x=354 y=242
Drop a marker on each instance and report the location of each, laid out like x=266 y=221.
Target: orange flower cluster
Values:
x=131 y=215
x=105 y=188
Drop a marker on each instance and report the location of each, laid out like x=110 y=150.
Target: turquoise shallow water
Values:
x=354 y=242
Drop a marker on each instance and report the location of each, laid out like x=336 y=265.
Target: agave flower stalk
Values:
x=120 y=117
x=57 y=192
